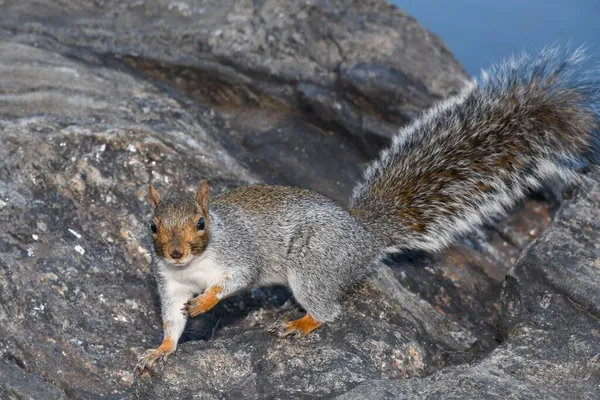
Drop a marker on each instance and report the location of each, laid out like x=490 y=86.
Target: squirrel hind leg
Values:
x=320 y=305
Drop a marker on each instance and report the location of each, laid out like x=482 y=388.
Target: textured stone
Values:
x=19 y=385
x=249 y=60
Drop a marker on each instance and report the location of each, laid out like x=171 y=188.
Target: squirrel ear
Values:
x=154 y=198
x=202 y=196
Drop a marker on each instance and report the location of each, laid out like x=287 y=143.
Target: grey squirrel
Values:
x=466 y=159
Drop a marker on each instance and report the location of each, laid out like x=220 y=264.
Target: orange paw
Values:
x=299 y=327
x=202 y=303
x=151 y=357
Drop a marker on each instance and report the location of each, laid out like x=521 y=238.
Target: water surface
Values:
x=483 y=32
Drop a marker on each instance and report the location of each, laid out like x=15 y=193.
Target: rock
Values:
x=98 y=99
x=17 y=384
x=550 y=322
x=251 y=61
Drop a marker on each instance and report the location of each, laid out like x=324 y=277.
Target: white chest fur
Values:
x=199 y=275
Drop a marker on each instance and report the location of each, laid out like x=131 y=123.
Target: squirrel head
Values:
x=180 y=227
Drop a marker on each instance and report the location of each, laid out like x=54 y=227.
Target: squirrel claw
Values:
x=296 y=328
x=203 y=303
x=282 y=331
x=151 y=357
x=148 y=360
x=189 y=309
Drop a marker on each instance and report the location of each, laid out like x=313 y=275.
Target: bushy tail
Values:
x=531 y=119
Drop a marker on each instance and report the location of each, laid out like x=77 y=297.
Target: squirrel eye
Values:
x=200 y=224
x=153 y=227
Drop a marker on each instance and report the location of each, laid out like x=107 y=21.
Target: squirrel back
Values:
x=472 y=156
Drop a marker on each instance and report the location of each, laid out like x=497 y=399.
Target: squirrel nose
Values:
x=176 y=254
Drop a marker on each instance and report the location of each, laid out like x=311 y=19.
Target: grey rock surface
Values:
x=97 y=99
x=18 y=384
x=369 y=67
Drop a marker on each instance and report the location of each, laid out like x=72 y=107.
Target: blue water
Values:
x=481 y=32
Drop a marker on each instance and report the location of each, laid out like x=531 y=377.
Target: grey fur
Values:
x=297 y=244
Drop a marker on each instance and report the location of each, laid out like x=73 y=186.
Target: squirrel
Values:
x=468 y=158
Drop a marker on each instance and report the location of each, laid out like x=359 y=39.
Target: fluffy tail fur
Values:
x=531 y=119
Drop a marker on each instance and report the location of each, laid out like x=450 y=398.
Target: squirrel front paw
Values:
x=190 y=308
x=149 y=359
x=202 y=303
x=297 y=328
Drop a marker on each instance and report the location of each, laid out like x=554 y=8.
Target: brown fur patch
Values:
x=204 y=302
x=303 y=325
x=418 y=227
x=482 y=186
x=166 y=347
